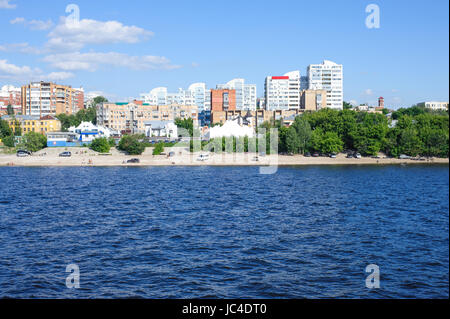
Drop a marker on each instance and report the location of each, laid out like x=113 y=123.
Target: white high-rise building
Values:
x=245 y=93
x=197 y=94
x=328 y=76
x=283 y=92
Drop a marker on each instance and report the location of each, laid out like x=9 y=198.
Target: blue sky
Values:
x=123 y=48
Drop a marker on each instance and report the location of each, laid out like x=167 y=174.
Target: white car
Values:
x=203 y=157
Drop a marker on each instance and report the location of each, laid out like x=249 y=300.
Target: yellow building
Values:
x=33 y=123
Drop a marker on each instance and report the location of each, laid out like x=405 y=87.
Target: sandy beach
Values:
x=87 y=157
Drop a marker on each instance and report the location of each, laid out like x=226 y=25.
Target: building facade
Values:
x=36 y=124
x=283 y=92
x=441 y=106
x=223 y=100
x=47 y=98
x=10 y=95
x=254 y=119
x=246 y=95
x=196 y=95
x=130 y=118
x=328 y=76
x=313 y=100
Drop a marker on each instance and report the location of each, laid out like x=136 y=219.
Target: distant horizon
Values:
x=120 y=52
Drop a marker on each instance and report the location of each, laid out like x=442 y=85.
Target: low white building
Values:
x=435 y=105
x=161 y=129
x=230 y=128
x=87 y=132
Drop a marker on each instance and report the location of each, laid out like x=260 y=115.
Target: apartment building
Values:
x=223 y=100
x=328 y=76
x=283 y=92
x=246 y=96
x=47 y=98
x=131 y=117
x=37 y=124
x=255 y=118
x=197 y=94
x=313 y=100
x=441 y=106
x=10 y=95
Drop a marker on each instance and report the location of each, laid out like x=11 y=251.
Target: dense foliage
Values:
x=159 y=148
x=33 y=142
x=132 y=144
x=86 y=115
x=101 y=145
x=414 y=132
x=187 y=124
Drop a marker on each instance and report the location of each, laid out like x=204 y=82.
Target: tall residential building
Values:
x=10 y=95
x=131 y=117
x=223 y=100
x=328 y=76
x=283 y=92
x=197 y=94
x=313 y=100
x=245 y=93
x=47 y=98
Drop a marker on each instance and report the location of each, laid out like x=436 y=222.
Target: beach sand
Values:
x=86 y=157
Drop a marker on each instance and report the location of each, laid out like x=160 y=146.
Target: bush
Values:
x=34 y=142
x=9 y=141
x=159 y=148
x=131 y=144
x=100 y=145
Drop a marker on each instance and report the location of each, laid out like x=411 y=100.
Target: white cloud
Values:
x=20 y=47
x=368 y=92
x=58 y=76
x=14 y=70
x=25 y=73
x=195 y=65
x=69 y=36
x=5 y=4
x=33 y=24
x=91 y=61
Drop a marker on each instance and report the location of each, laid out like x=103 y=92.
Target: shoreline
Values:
x=82 y=157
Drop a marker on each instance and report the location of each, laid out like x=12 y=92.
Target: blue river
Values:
x=225 y=232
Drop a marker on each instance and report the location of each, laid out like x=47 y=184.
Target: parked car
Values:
x=403 y=156
x=23 y=153
x=350 y=155
x=315 y=154
x=203 y=157
x=133 y=161
x=333 y=155
x=357 y=155
x=307 y=154
x=65 y=154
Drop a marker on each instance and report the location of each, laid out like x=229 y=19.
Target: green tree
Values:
x=10 y=110
x=326 y=142
x=292 y=141
x=100 y=145
x=159 y=148
x=303 y=130
x=98 y=100
x=5 y=130
x=187 y=124
x=9 y=141
x=33 y=141
x=346 y=106
x=131 y=144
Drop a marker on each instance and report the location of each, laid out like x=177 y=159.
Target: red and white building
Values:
x=283 y=92
x=10 y=95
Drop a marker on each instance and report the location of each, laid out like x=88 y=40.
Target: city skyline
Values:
x=138 y=50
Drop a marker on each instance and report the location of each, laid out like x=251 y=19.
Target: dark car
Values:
x=65 y=154
x=307 y=154
x=349 y=155
x=316 y=154
x=133 y=161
